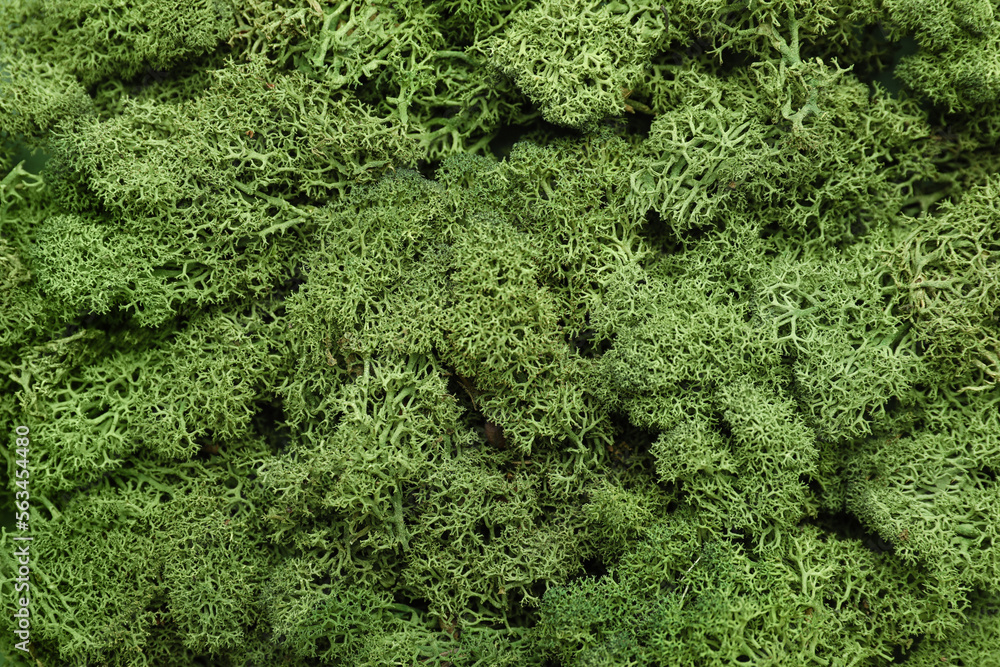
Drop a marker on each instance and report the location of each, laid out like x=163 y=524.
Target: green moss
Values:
x=477 y=333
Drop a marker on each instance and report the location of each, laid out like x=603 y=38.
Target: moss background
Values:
x=476 y=332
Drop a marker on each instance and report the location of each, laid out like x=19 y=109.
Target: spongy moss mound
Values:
x=488 y=332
